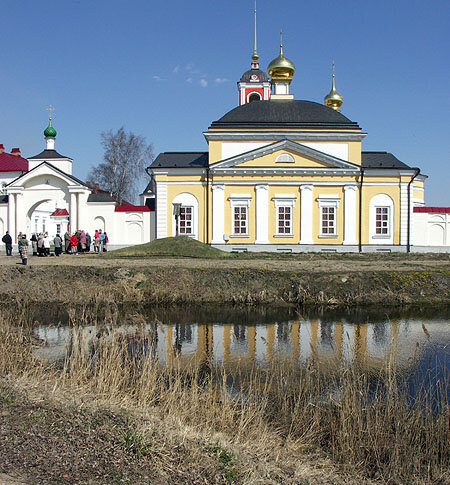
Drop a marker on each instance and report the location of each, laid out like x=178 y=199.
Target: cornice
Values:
x=276 y=135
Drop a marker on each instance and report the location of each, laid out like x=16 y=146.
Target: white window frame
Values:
x=381 y=201
x=328 y=202
x=239 y=200
x=251 y=93
x=387 y=225
x=285 y=158
x=186 y=199
x=284 y=200
x=184 y=207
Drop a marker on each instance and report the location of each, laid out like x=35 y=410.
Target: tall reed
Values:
x=362 y=421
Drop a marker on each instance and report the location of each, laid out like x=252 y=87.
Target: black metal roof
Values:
x=247 y=76
x=181 y=159
x=381 y=160
x=101 y=197
x=284 y=114
x=151 y=187
x=48 y=155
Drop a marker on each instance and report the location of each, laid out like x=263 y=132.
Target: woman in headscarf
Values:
x=83 y=241
x=46 y=245
x=67 y=242
x=23 y=248
x=34 y=242
x=40 y=245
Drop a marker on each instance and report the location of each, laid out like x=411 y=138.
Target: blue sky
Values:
x=165 y=70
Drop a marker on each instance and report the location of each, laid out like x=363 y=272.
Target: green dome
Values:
x=50 y=132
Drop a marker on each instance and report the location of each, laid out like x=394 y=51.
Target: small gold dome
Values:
x=281 y=68
x=333 y=99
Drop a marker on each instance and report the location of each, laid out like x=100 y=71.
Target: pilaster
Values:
x=262 y=214
x=306 y=216
x=350 y=215
x=218 y=213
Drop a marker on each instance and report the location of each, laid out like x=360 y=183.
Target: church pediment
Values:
x=284 y=154
x=43 y=171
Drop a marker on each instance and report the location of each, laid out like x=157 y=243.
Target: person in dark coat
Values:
x=88 y=242
x=57 y=242
x=7 y=239
x=34 y=242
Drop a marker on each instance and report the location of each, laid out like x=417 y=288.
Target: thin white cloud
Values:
x=220 y=80
x=203 y=83
x=189 y=80
x=158 y=78
x=176 y=69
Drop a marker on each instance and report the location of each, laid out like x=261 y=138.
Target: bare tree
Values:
x=124 y=161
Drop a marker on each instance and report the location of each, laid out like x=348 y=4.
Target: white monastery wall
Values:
x=431 y=229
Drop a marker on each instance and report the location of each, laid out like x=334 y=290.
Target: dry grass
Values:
x=197 y=423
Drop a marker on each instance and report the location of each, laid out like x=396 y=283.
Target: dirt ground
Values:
x=311 y=263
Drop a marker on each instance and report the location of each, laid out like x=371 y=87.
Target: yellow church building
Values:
x=289 y=175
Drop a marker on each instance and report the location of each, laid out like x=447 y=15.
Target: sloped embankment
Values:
x=122 y=284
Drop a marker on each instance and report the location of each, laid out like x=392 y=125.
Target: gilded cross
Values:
x=50 y=109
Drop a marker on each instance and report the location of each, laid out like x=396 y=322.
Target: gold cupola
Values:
x=333 y=99
x=281 y=68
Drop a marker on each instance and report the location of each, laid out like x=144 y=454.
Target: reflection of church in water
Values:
x=296 y=341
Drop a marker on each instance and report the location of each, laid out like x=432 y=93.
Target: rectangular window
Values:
x=58 y=228
x=185 y=220
x=36 y=222
x=240 y=220
x=284 y=220
x=382 y=221
x=328 y=220
x=43 y=225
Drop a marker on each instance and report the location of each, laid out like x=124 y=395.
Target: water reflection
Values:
x=260 y=336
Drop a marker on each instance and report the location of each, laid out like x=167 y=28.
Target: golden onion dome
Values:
x=281 y=68
x=333 y=99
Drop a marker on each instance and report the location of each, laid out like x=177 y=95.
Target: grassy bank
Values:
x=172 y=284
x=109 y=415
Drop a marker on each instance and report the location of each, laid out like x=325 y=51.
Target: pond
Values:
x=416 y=342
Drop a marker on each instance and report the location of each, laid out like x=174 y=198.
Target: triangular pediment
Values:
x=282 y=154
x=42 y=170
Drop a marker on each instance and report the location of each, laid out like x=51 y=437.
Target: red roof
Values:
x=13 y=163
x=131 y=208
x=59 y=212
x=432 y=209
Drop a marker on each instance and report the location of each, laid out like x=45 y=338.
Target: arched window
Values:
x=254 y=97
x=285 y=158
x=188 y=216
x=381 y=219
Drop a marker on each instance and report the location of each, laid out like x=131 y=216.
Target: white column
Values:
x=218 y=213
x=262 y=214
x=350 y=214
x=82 y=222
x=161 y=210
x=12 y=216
x=306 y=216
x=73 y=212
x=403 y=213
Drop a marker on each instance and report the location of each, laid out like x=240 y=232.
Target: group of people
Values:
x=78 y=242
x=81 y=241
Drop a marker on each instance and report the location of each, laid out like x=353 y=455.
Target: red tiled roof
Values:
x=131 y=208
x=59 y=212
x=13 y=163
x=432 y=209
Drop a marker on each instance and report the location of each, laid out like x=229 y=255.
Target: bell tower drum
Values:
x=254 y=84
